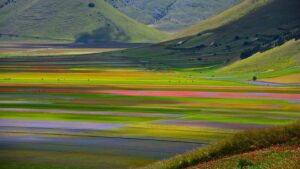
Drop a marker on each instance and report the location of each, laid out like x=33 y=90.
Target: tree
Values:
x=247 y=43
x=228 y=47
x=91 y=5
x=245 y=54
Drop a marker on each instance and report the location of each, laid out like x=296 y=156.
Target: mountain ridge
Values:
x=171 y=15
x=255 y=31
x=73 y=21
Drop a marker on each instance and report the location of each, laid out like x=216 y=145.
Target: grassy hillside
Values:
x=259 y=30
x=239 y=143
x=171 y=15
x=72 y=20
x=287 y=55
x=229 y=15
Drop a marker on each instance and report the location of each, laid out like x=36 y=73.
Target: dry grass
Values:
x=293 y=78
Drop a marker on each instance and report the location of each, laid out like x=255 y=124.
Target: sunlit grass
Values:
x=242 y=119
x=76 y=117
x=183 y=133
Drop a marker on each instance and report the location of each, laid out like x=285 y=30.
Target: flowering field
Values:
x=126 y=117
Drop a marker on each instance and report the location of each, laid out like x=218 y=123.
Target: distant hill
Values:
x=171 y=15
x=256 y=26
x=71 y=20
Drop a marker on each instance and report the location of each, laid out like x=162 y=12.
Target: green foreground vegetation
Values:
x=275 y=157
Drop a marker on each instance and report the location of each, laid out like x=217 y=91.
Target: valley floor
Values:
x=98 y=111
x=79 y=106
x=125 y=117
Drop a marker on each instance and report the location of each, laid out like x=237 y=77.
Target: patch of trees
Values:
x=228 y=48
x=249 y=52
x=7 y=2
x=237 y=38
x=200 y=46
x=247 y=43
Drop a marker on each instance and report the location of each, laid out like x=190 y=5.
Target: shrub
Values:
x=247 y=43
x=91 y=5
x=243 y=163
x=228 y=47
x=245 y=54
x=200 y=46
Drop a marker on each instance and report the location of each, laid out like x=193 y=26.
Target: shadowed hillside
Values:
x=71 y=20
x=229 y=15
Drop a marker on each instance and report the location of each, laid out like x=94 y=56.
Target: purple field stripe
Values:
x=89 y=112
x=59 y=124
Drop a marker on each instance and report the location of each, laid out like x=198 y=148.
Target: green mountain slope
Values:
x=259 y=30
x=287 y=55
x=72 y=20
x=171 y=15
